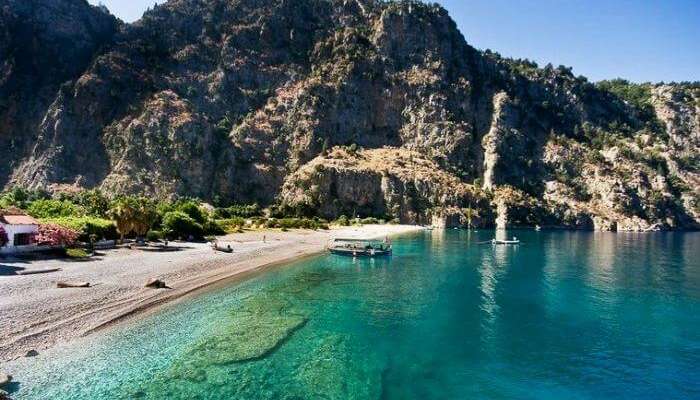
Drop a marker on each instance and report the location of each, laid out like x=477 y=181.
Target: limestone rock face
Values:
x=384 y=182
x=679 y=110
x=503 y=141
x=237 y=100
x=169 y=149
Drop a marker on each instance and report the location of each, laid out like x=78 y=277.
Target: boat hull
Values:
x=360 y=252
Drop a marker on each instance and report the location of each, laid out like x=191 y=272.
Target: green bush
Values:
x=154 y=236
x=212 y=227
x=77 y=253
x=231 y=225
x=242 y=211
x=18 y=197
x=343 y=221
x=295 y=223
x=179 y=224
x=46 y=208
x=94 y=202
x=87 y=226
x=369 y=221
x=194 y=209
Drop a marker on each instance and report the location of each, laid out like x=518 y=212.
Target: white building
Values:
x=21 y=230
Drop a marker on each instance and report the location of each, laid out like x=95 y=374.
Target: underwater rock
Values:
x=337 y=370
x=250 y=337
x=239 y=348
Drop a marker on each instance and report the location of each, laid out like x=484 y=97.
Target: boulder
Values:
x=5 y=379
x=156 y=284
x=31 y=353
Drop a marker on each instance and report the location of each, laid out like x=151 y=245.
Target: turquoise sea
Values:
x=565 y=315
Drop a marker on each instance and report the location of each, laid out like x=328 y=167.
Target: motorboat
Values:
x=360 y=247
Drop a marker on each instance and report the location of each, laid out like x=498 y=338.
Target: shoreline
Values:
x=38 y=316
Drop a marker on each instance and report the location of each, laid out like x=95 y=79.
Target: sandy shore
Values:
x=35 y=315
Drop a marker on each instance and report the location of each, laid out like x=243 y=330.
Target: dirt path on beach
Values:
x=36 y=315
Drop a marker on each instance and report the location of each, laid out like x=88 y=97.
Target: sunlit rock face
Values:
x=390 y=182
x=232 y=99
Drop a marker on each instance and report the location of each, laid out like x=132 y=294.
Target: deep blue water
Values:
x=565 y=315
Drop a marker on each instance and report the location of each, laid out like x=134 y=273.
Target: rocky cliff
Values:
x=243 y=100
x=44 y=47
x=388 y=182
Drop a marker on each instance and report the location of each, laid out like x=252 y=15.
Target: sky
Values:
x=639 y=40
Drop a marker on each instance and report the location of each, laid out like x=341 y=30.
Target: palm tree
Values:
x=133 y=214
x=124 y=215
x=146 y=214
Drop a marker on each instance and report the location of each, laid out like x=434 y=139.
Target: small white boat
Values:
x=514 y=241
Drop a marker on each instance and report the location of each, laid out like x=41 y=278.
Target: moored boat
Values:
x=360 y=247
x=514 y=241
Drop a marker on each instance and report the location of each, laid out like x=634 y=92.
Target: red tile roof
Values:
x=18 y=220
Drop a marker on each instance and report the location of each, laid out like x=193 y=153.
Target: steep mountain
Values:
x=241 y=99
x=43 y=45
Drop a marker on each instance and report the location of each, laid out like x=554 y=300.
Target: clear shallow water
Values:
x=565 y=315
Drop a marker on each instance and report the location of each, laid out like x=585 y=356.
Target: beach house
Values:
x=20 y=230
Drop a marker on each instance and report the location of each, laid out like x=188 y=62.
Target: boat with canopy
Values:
x=360 y=247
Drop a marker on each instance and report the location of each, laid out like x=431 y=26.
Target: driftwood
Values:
x=64 y=285
x=36 y=272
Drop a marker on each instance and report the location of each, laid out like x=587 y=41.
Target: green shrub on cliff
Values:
x=637 y=95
